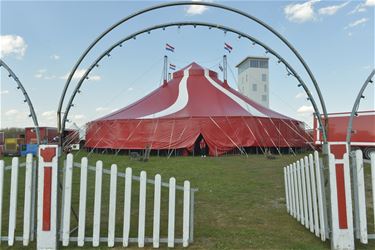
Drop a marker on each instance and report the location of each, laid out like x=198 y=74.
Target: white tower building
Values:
x=253 y=79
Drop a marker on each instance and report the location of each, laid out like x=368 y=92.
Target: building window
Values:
x=254 y=64
x=263 y=64
x=264 y=77
x=265 y=88
x=255 y=87
x=264 y=98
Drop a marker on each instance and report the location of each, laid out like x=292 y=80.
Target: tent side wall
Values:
x=222 y=134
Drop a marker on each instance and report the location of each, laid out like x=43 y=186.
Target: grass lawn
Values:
x=240 y=203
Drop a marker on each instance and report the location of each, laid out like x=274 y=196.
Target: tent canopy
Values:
x=195 y=102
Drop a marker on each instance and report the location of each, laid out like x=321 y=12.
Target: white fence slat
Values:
x=372 y=184
x=156 y=224
x=33 y=202
x=320 y=186
x=186 y=215
x=67 y=200
x=97 y=203
x=300 y=193
x=82 y=203
x=314 y=198
x=27 y=199
x=290 y=183
x=13 y=201
x=292 y=187
x=112 y=206
x=361 y=197
x=286 y=190
x=309 y=201
x=296 y=192
x=1 y=192
x=127 y=206
x=171 y=211
x=304 y=195
x=142 y=209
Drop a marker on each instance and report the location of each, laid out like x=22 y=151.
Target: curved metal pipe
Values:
x=210 y=25
x=164 y=5
x=356 y=106
x=27 y=99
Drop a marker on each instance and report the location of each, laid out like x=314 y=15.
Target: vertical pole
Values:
x=225 y=67
x=165 y=70
x=47 y=197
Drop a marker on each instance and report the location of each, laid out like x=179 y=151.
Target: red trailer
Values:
x=49 y=135
x=363 y=135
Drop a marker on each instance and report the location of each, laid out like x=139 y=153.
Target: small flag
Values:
x=172 y=66
x=228 y=47
x=169 y=47
x=221 y=67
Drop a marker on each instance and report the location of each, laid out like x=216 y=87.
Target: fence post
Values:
x=112 y=206
x=47 y=197
x=127 y=205
x=82 y=202
x=142 y=209
x=97 y=203
x=341 y=198
x=67 y=200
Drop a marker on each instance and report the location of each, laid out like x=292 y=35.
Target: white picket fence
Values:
x=305 y=194
x=29 y=217
x=29 y=201
x=362 y=188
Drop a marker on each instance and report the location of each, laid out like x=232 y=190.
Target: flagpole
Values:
x=225 y=69
x=165 y=73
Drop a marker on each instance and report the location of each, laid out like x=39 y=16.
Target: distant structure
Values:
x=253 y=79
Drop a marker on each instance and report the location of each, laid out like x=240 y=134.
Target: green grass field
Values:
x=240 y=203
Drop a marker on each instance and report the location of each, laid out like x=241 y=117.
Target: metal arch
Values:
x=27 y=99
x=210 y=4
x=290 y=69
x=356 y=106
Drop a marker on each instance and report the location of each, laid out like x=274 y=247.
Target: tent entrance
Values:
x=197 y=149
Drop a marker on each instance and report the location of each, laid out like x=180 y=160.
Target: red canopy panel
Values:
x=195 y=102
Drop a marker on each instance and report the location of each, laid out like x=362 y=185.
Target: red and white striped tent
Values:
x=195 y=102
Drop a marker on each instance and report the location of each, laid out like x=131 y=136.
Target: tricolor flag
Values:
x=169 y=47
x=172 y=66
x=228 y=47
x=221 y=67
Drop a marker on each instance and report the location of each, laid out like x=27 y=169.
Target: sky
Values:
x=42 y=40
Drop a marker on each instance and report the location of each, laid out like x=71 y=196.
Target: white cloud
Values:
x=362 y=7
x=300 y=12
x=55 y=57
x=356 y=23
x=196 y=9
x=370 y=3
x=130 y=89
x=41 y=74
x=331 y=10
x=79 y=117
x=49 y=115
x=305 y=110
x=101 y=109
x=301 y=95
x=11 y=112
x=4 y=92
x=12 y=44
x=79 y=73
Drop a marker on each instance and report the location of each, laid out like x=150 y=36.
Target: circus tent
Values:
x=195 y=104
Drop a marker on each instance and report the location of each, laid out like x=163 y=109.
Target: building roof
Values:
x=252 y=57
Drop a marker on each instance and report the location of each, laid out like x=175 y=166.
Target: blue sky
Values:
x=41 y=42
